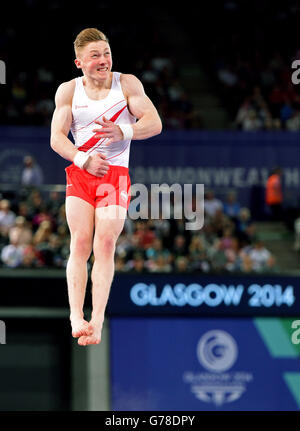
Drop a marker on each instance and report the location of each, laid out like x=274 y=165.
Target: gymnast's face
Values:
x=95 y=60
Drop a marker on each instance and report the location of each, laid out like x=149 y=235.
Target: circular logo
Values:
x=217 y=351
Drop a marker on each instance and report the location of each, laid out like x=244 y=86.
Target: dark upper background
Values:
x=224 y=64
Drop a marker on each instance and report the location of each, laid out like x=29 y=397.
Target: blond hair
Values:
x=86 y=36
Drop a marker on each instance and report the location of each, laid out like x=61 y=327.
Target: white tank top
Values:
x=85 y=111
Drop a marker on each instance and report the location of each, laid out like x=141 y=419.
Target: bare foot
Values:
x=81 y=327
x=95 y=337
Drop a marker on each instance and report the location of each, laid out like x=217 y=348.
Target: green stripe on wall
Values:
x=293 y=382
x=276 y=338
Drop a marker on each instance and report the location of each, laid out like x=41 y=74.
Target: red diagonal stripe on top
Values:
x=117 y=114
x=93 y=140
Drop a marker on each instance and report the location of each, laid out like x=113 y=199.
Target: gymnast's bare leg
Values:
x=80 y=218
x=109 y=222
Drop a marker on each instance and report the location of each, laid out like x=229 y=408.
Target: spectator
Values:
x=286 y=112
x=120 y=264
x=274 y=196
x=7 y=217
x=245 y=262
x=143 y=234
x=162 y=229
x=182 y=264
x=211 y=204
x=251 y=122
x=180 y=246
x=227 y=76
x=157 y=249
x=12 y=255
x=124 y=245
x=244 y=220
x=20 y=234
x=50 y=251
x=242 y=113
x=42 y=235
x=217 y=257
x=293 y=123
x=32 y=174
x=41 y=215
x=31 y=257
x=159 y=264
x=23 y=211
x=231 y=207
x=55 y=203
x=232 y=255
x=61 y=219
x=261 y=258
x=137 y=264
x=34 y=202
x=226 y=240
x=220 y=222
x=198 y=254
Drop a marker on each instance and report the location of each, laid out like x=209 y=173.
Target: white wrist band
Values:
x=127 y=131
x=80 y=159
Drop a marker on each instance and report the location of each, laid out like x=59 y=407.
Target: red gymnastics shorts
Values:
x=111 y=189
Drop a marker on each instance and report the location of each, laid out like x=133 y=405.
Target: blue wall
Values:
x=194 y=364
x=217 y=159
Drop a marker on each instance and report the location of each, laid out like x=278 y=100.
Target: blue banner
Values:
x=218 y=159
x=194 y=364
x=203 y=295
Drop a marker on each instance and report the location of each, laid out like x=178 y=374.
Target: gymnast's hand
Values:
x=97 y=165
x=108 y=130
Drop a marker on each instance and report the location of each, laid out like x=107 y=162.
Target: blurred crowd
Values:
x=252 y=64
x=34 y=234
x=274 y=104
x=160 y=76
x=32 y=80
x=246 y=50
x=30 y=100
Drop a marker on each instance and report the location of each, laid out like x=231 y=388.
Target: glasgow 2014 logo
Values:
x=217 y=352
